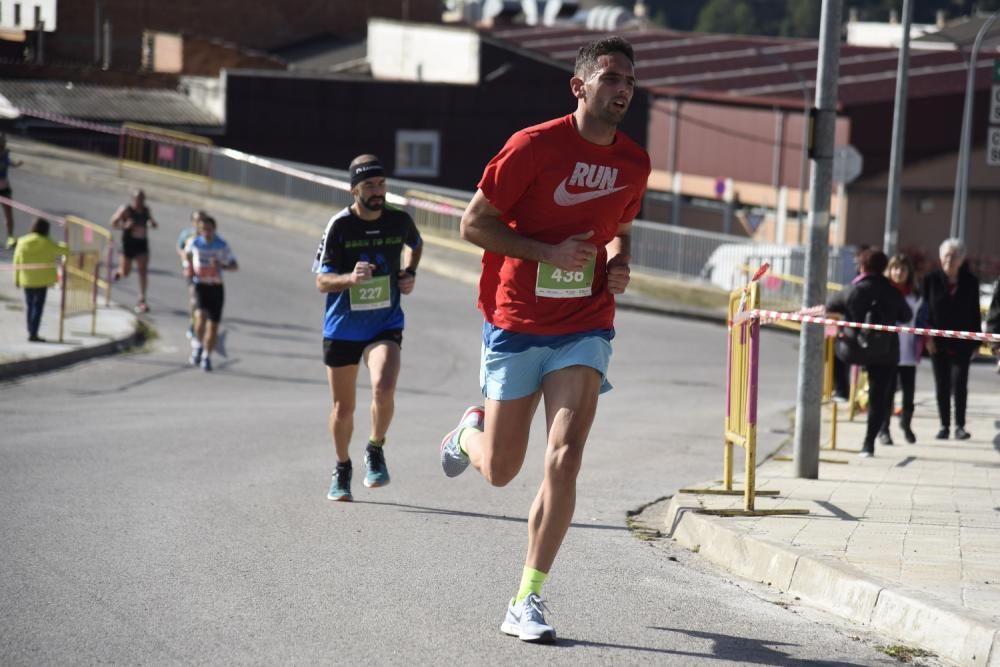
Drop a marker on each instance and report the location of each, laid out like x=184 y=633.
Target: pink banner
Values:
x=165 y=153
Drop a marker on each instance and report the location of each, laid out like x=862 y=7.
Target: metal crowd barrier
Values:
x=740 y=424
x=157 y=149
x=90 y=252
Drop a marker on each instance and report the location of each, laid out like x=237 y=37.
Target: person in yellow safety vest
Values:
x=37 y=254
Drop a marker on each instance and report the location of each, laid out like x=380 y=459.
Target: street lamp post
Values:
x=958 y=209
x=891 y=237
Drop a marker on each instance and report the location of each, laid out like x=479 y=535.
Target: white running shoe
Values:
x=453 y=460
x=526 y=621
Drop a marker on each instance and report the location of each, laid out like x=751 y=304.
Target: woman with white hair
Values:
x=951 y=295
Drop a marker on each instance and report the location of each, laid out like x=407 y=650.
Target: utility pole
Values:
x=962 y=171
x=891 y=239
x=811 y=338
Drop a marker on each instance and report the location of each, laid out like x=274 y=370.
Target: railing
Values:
x=182 y=154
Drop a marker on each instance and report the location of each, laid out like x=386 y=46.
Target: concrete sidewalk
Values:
x=116 y=330
x=907 y=542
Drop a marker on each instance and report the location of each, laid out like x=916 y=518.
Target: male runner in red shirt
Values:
x=553 y=213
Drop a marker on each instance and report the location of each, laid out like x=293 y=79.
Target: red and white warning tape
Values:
x=26 y=267
x=31 y=210
x=111 y=129
x=766 y=316
x=392 y=198
x=72 y=122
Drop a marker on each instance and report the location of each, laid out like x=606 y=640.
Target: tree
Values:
x=671 y=13
x=801 y=18
x=727 y=16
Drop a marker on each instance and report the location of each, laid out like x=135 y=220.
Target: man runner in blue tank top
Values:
x=367 y=258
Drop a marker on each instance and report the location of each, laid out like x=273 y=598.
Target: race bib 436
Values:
x=557 y=283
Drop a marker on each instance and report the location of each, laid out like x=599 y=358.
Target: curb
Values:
x=16 y=369
x=952 y=633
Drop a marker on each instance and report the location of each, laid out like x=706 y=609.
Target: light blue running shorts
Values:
x=515 y=374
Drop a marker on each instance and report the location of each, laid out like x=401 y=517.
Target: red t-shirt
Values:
x=551 y=183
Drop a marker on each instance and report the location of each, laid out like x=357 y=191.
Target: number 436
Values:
x=561 y=276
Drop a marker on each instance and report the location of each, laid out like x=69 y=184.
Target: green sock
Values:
x=531 y=582
x=463 y=438
x=376 y=443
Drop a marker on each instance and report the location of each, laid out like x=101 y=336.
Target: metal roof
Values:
x=962 y=33
x=757 y=70
x=102 y=103
x=327 y=53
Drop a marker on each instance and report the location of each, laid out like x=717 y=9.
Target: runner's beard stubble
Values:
x=373 y=203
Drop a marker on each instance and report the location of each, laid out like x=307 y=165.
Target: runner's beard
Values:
x=612 y=115
x=373 y=203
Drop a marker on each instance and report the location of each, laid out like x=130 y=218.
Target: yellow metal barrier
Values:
x=829 y=359
x=89 y=252
x=986 y=349
x=781 y=291
x=157 y=149
x=740 y=425
x=858 y=399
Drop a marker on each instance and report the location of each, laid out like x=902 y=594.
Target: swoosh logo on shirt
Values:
x=564 y=198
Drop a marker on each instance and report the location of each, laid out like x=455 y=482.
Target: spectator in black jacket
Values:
x=871 y=292
x=951 y=295
x=993 y=320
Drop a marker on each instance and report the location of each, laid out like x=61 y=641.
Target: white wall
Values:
x=423 y=52
x=869 y=33
x=209 y=93
x=48 y=8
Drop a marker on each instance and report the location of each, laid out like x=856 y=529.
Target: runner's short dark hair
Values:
x=586 y=59
x=40 y=226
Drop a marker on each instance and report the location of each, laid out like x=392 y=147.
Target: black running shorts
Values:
x=133 y=248
x=337 y=353
x=210 y=298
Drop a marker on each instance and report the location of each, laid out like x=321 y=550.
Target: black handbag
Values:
x=865 y=347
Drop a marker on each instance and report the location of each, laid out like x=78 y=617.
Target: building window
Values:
x=417 y=152
x=17 y=13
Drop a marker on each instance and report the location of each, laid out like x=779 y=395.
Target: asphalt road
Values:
x=156 y=514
